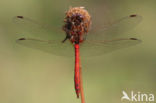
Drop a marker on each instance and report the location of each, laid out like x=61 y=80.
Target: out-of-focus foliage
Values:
x=32 y=76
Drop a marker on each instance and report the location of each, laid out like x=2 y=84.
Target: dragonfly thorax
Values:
x=77 y=23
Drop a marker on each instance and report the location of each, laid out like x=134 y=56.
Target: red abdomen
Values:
x=77 y=70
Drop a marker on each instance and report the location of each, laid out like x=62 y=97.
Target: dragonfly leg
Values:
x=67 y=37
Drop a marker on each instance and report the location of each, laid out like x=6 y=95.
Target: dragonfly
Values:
x=77 y=35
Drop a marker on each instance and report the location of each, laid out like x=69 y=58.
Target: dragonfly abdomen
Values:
x=77 y=70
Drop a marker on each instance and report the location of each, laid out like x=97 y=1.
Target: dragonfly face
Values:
x=77 y=23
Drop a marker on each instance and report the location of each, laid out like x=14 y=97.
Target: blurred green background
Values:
x=32 y=76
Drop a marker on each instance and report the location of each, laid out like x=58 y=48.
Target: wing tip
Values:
x=135 y=16
x=22 y=39
x=135 y=39
x=16 y=18
x=20 y=17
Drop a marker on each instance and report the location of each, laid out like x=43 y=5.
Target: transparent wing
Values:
x=53 y=47
x=96 y=44
x=87 y=49
x=96 y=48
x=116 y=29
x=31 y=27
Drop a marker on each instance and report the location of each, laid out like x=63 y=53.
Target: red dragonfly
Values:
x=77 y=24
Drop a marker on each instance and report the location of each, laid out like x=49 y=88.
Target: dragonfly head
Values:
x=77 y=23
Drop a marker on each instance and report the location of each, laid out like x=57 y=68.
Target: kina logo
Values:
x=137 y=97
